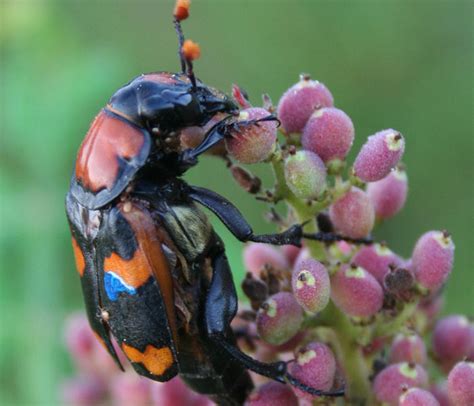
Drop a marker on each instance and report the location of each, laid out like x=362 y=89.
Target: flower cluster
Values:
x=343 y=313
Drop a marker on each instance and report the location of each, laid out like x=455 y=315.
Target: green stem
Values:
x=390 y=327
x=345 y=334
x=349 y=351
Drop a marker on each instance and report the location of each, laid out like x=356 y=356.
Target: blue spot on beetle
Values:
x=114 y=285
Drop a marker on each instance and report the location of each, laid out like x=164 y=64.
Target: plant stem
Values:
x=345 y=334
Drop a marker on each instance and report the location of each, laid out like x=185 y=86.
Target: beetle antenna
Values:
x=187 y=49
x=179 y=32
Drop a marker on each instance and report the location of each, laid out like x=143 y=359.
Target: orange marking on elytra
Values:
x=155 y=360
x=134 y=272
x=79 y=257
x=107 y=140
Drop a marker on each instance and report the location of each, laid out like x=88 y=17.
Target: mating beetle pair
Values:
x=154 y=273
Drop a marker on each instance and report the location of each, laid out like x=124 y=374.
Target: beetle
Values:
x=154 y=272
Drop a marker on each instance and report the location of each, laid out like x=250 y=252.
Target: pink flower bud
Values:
x=303 y=254
x=461 y=384
x=353 y=214
x=291 y=253
x=379 y=155
x=376 y=259
x=389 y=194
x=315 y=366
x=300 y=101
x=80 y=339
x=356 y=292
x=433 y=258
x=440 y=392
x=254 y=143
x=329 y=133
x=175 y=392
x=257 y=256
x=279 y=318
x=408 y=348
x=417 y=397
x=83 y=391
x=311 y=286
x=390 y=383
x=305 y=174
x=272 y=394
x=452 y=340
x=130 y=389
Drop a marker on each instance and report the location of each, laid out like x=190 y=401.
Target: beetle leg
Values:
x=213 y=136
x=241 y=229
x=220 y=309
x=333 y=237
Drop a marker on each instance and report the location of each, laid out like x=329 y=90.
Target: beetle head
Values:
x=213 y=101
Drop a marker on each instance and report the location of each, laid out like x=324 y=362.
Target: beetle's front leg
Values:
x=216 y=134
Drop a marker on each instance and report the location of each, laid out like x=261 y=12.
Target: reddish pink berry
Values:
x=272 y=394
x=303 y=255
x=433 y=258
x=390 y=383
x=329 y=133
x=291 y=253
x=175 y=392
x=80 y=339
x=417 y=397
x=389 y=194
x=305 y=174
x=356 y=292
x=377 y=259
x=353 y=214
x=379 y=155
x=314 y=366
x=257 y=256
x=311 y=285
x=300 y=101
x=452 y=339
x=440 y=392
x=461 y=384
x=279 y=318
x=130 y=389
x=83 y=391
x=408 y=348
x=254 y=143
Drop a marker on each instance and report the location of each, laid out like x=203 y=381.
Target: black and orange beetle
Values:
x=154 y=273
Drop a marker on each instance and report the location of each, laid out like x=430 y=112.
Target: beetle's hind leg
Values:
x=220 y=309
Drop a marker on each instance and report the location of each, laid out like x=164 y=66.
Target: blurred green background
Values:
x=406 y=65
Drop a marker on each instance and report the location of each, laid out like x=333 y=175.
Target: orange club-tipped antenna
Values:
x=188 y=50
